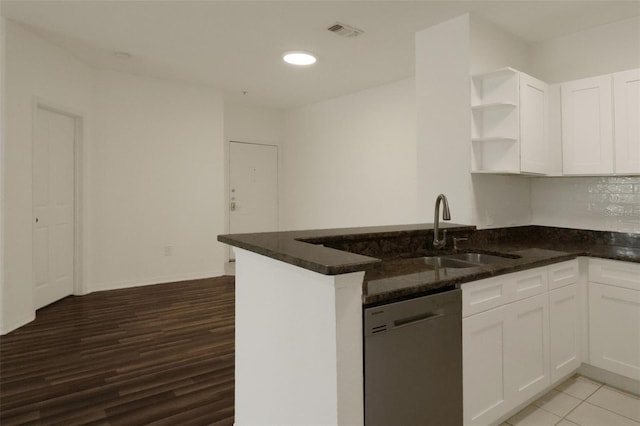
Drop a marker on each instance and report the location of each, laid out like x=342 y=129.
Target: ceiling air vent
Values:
x=345 y=30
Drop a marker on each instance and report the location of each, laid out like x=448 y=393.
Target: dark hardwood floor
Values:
x=161 y=355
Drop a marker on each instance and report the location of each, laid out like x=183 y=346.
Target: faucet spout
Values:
x=446 y=215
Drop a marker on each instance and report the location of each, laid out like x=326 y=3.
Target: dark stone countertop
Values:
x=535 y=246
x=391 y=255
x=400 y=279
x=322 y=250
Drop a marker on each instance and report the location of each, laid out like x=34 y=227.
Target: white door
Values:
x=53 y=205
x=626 y=95
x=253 y=188
x=587 y=126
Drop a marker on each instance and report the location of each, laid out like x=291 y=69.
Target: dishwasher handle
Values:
x=426 y=316
x=406 y=321
x=392 y=316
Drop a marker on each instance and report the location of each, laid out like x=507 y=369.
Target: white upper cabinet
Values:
x=587 y=127
x=626 y=95
x=534 y=141
x=521 y=125
x=509 y=123
x=601 y=125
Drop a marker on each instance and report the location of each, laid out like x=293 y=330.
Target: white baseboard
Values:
x=150 y=281
x=8 y=328
x=230 y=268
x=612 y=379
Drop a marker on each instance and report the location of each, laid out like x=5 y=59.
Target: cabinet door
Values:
x=587 y=128
x=534 y=140
x=614 y=329
x=483 y=373
x=564 y=331
x=626 y=95
x=526 y=350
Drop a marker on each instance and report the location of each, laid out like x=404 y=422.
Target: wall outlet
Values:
x=168 y=250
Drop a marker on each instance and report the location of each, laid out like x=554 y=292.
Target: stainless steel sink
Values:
x=445 y=262
x=464 y=260
x=478 y=258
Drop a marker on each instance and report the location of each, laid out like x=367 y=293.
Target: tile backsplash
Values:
x=600 y=203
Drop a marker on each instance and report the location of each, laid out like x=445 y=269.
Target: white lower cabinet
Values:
x=614 y=316
x=511 y=350
x=527 y=347
x=564 y=331
x=483 y=372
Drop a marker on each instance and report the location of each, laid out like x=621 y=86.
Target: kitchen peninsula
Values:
x=300 y=295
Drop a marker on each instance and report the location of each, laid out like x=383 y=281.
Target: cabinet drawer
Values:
x=529 y=283
x=562 y=274
x=614 y=272
x=482 y=295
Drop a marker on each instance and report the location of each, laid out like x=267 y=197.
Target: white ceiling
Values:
x=236 y=46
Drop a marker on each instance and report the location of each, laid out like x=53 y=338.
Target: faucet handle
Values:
x=456 y=240
x=440 y=243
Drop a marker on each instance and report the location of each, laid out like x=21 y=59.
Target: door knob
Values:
x=233 y=206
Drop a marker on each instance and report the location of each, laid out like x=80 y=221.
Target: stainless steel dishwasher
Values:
x=413 y=362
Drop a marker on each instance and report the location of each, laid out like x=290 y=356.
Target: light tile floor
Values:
x=581 y=401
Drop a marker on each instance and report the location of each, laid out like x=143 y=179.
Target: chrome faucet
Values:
x=446 y=215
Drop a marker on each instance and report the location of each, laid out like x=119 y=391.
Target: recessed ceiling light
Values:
x=299 y=58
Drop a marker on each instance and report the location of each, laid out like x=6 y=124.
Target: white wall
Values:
x=34 y=70
x=152 y=175
x=604 y=203
x=493 y=48
x=245 y=123
x=443 y=151
x=2 y=166
x=442 y=107
x=600 y=50
x=350 y=161
x=498 y=200
x=157 y=181
x=305 y=371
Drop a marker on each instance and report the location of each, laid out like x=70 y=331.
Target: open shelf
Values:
x=495 y=122
x=502 y=72
x=495 y=139
x=493 y=105
x=495 y=87
x=495 y=172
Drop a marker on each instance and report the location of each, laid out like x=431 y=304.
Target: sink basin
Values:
x=477 y=258
x=446 y=262
x=465 y=260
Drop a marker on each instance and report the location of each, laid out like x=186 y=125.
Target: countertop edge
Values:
x=478 y=273
x=305 y=250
